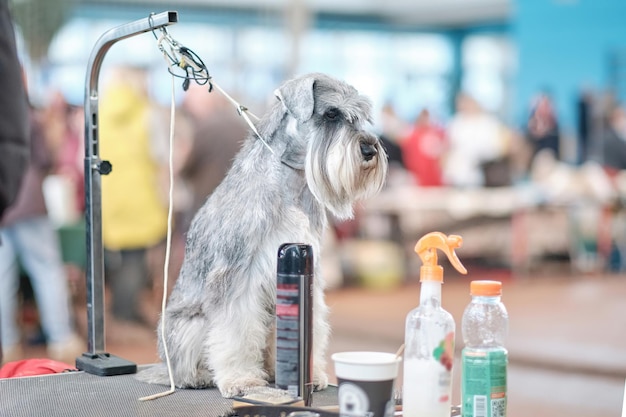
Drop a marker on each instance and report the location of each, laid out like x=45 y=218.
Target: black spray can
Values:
x=294 y=321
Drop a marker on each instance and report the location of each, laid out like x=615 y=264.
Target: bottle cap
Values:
x=486 y=288
x=427 y=247
x=295 y=259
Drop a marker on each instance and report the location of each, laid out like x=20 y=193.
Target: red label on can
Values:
x=287 y=309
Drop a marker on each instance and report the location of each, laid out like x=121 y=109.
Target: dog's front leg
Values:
x=270 y=353
x=321 y=333
x=236 y=345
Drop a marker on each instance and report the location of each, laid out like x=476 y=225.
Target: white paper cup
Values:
x=365 y=381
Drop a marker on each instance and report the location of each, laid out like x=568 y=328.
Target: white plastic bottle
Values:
x=429 y=335
x=484 y=359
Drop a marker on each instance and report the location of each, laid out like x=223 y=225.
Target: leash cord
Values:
x=168 y=249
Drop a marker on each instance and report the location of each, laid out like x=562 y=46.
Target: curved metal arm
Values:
x=94 y=170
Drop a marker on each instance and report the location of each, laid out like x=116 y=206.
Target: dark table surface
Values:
x=82 y=394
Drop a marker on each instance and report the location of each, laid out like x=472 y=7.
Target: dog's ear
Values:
x=297 y=97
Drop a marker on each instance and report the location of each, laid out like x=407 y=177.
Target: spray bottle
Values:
x=429 y=335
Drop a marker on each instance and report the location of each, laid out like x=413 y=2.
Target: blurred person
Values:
x=542 y=128
x=134 y=216
x=475 y=138
x=13 y=116
x=65 y=126
x=584 y=128
x=614 y=141
x=422 y=150
x=393 y=130
x=393 y=126
x=14 y=122
x=64 y=187
x=29 y=240
x=218 y=134
x=614 y=164
x=183 y=139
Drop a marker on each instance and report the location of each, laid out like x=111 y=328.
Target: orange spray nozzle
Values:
x=427 y=247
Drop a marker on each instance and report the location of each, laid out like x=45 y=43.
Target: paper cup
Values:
x=365 y=381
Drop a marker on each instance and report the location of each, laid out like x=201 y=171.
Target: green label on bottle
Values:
x=484 y=383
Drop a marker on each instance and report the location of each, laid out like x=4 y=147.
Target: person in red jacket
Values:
x=422 y=150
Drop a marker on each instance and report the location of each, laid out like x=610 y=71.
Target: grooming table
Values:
x=75 y=394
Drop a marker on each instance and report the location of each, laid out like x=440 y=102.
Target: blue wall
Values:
x=564 y=45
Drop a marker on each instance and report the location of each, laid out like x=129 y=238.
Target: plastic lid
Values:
x=486 y=288
x=295 y=259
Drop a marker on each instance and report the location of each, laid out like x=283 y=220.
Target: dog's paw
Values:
x=320 y=380
x=239 y=386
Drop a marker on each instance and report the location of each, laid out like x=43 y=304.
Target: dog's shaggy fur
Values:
x=220 y=317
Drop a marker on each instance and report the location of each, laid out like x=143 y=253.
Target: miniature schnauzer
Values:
x=220 y=316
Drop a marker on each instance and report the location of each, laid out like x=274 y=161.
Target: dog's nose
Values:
x=368 y=150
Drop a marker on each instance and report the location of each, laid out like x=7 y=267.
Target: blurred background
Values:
x=503 y=120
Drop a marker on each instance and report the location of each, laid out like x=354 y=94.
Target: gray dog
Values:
x=220 y=317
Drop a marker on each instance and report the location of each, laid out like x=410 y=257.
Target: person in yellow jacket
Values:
x=134 y=215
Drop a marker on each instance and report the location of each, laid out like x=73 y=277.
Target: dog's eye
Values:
x=331 y=114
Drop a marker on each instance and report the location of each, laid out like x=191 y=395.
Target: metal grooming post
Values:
x=96 y=360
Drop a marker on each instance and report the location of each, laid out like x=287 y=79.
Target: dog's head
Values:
x=326 y=137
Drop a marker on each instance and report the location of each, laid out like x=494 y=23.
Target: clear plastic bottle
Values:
x=484 y=358
x=429 y=335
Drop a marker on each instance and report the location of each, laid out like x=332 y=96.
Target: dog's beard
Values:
x=337 y=174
